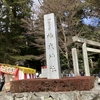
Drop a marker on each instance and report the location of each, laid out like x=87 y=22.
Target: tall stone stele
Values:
x=52 y=51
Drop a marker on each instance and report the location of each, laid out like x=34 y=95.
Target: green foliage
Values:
x=23 y=58
x=20 y=39
x=94 y=70
x=63 y=62
x=12 y=39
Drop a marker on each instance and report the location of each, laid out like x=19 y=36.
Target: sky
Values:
x=92 y=21
x=37 y=2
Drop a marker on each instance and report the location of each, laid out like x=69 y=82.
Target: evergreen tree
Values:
x=12 y=31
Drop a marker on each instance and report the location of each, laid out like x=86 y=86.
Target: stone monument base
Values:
x=53 y=85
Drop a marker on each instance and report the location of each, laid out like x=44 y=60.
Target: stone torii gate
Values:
x=85 y=55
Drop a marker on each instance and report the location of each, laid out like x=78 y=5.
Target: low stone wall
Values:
x=53 y=85
x=72 y=95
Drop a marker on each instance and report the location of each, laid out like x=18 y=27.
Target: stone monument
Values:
x=52 y=51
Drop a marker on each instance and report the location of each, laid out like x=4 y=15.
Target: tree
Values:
x=11 y=29
x=69 y=14
x=68 y=17
x=94 y=6
x=93 y=11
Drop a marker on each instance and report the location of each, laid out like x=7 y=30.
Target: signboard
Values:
x=7 y=69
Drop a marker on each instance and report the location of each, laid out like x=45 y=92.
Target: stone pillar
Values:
x=52 y=51
x=75 y=62
x=85 y=58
